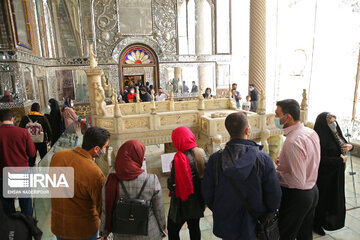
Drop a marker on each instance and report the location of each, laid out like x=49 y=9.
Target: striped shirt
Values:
x=299 y=158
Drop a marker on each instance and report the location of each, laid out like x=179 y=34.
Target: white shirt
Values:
x=161 y=97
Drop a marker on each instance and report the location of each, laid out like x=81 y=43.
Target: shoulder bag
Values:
x=131 y=215
x=267 y=225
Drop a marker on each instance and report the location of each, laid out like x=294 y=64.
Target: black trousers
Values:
x=193 y=225
x=42 y=148
x=296 y=213
x=8 y=204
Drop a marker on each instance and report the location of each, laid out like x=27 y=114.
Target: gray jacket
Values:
x=151 y=192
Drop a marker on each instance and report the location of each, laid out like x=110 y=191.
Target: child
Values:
x=246 y=105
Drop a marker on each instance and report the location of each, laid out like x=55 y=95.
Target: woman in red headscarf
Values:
x=187 y=204
x=128 y=169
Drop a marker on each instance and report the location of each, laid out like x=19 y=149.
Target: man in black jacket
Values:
x=254 y=96
x=36 y=116
x=144 y=96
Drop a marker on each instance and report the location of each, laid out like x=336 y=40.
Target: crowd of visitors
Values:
x=304 y=189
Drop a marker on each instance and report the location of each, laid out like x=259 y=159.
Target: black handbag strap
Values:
x=246 y=204
x=141 y=190
x=235 y=187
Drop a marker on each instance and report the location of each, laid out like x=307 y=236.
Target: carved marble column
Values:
x=200 y=28
x=205 y=76
x=169 y=73
x=177 y=73
x=257 y=53
x=201 y=105
x=94 y=79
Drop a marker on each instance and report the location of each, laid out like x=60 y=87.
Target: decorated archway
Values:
x=138 y=62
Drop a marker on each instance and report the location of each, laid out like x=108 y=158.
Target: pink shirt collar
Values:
x=292 y=128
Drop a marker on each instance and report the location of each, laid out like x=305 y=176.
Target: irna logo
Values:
x=34 y=180
x=38 y=182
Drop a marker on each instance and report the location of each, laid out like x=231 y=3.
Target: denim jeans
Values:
x=93 y=237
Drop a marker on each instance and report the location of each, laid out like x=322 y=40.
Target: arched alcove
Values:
x=138 y=60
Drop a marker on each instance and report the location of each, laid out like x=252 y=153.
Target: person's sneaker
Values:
x=319 y=231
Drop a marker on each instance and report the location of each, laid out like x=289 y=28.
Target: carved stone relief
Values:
x=179 y=118
x=254 y=122
x=127 y=109
x=142 y=122
x=182 y=106
x=106 y=123
x=162 y=106
x=220 y=126
x=209 y=104
x=204 y=125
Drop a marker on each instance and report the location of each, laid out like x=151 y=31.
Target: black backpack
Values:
x=131 y=215
x=18 y=226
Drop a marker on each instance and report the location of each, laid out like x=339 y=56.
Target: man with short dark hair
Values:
x=254 y=96
x=147 y=87
x=236 y=95
x=16 y=147
x=252 y=170
x=194 y=88
x=79 y=217
x=297 y=170
x=185 y=89
x=144 y=96
x=36 y=116
x=161 y=95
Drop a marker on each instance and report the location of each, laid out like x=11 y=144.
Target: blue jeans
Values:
x=93 y=237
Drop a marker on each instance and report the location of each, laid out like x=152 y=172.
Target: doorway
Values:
x=134 y=80
x=138 y=64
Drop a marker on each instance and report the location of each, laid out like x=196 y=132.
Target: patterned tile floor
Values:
x=351 y=231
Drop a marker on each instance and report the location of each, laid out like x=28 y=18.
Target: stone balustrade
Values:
x=153 y=122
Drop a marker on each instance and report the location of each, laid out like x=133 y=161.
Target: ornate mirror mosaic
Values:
x=21 y=22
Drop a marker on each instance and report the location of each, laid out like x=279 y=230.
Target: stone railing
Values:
x=153 y=122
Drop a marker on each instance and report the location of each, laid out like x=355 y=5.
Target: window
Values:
x=223 y=26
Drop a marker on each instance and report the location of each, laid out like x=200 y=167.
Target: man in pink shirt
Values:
x=297 y=170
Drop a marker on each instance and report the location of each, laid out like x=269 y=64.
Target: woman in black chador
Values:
x=330 y=211
x=55 y=120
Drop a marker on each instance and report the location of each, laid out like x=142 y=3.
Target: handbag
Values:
x=131 y=215
x=267 y=225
